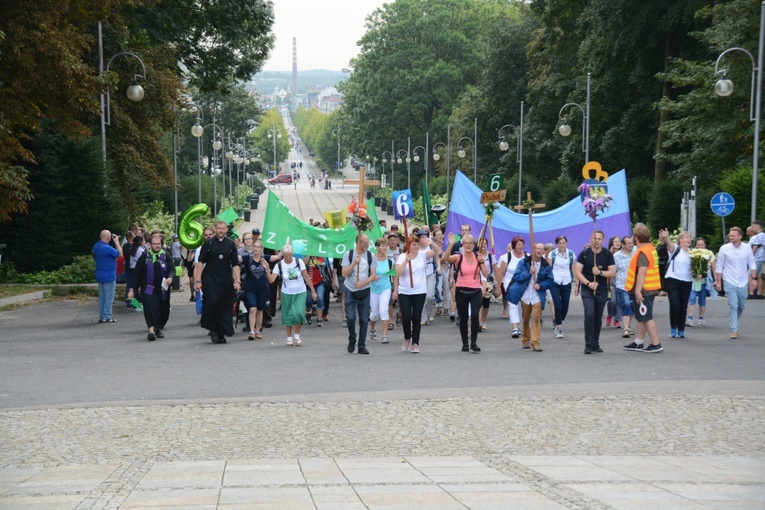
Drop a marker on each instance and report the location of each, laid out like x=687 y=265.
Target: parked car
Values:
x=281 y=179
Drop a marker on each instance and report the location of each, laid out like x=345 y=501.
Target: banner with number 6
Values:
x=402 y=204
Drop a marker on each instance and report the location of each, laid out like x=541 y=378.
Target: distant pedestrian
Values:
x=736 y=273
x=106 y=251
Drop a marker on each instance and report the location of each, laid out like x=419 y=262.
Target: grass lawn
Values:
x=17 y=289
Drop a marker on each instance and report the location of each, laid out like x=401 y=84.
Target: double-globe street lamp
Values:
x=724 y=88
x=437 y=156
x=564 y=129
x=404 y=156
x=390 y=155
x=461 y=152
x=504 y=146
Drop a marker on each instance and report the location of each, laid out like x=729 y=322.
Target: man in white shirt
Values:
x=758 y=249
x=737 y=274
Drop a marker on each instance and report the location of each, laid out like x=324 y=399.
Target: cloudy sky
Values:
x=326 y=31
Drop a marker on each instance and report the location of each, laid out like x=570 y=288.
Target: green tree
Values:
x=416 y=57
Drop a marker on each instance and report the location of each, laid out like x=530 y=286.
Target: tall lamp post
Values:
x=390 y=154
x=197 y=130
x=503 y=146
x=416 y=158
x=564 y=129
x=437 y=156
x=724 y=88
x=461 y=152
x=336 y=132
x=274 y=134
x=134 y=92
x=401 y=157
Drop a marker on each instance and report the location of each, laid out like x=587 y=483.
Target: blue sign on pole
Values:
x=402 y=204
x=722 y=204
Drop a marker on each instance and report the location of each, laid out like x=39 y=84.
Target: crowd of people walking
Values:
x=413 y=278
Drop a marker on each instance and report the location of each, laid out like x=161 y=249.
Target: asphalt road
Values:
x=57 y=354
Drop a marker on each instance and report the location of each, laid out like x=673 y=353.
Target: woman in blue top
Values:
x=256 y=287
x=381 y=290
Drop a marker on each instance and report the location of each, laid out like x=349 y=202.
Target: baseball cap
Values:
x=422 y=232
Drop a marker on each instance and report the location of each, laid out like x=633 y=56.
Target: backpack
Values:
x=369 y=260
x=280 y=276
x=570 y=260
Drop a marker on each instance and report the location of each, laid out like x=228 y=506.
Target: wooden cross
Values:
x=531 y=211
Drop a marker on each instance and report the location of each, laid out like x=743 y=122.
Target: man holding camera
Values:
x=106 y=251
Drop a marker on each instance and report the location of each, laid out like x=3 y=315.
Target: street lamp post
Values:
x=564 y=129
x=390 y=154
x=437 y=156
x=724 y=88
x=134 y=92
x=197 y=130
x=272 y=133
x=503 y=146
x=336 y=132
x=402 y=156
x=461 y=152
x=416 y=157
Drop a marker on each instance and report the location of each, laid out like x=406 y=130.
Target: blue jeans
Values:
x=309 y=302
x=736 y=297
x=625 y=303
x=105 y=300
x=561 y=295
x=351 y=306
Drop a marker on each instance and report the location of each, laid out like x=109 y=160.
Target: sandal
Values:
x=390 y=326
x=627 y=332
x=398 y=320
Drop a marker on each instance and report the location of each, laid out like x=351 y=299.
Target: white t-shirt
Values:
x=680 y=266
x=418 y=271
x=292 y=279
x=512 y=264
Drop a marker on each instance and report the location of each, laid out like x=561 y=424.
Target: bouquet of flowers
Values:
x=594 y=202
x=360 y=217
x=701 y=260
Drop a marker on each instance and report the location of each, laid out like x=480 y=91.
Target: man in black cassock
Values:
x=218 y=259
x=153 y=268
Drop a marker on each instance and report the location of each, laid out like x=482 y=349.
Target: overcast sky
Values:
x=326 y=31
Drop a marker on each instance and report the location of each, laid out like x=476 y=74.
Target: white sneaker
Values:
x=689 y=322
x=701 y=322
x=373 y=334
x=559 y=333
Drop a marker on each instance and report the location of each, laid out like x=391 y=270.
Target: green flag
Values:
x=427 y=213
x=281 y=225
x=229 y=215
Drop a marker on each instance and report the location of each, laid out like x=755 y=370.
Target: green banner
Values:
x=281 y=226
